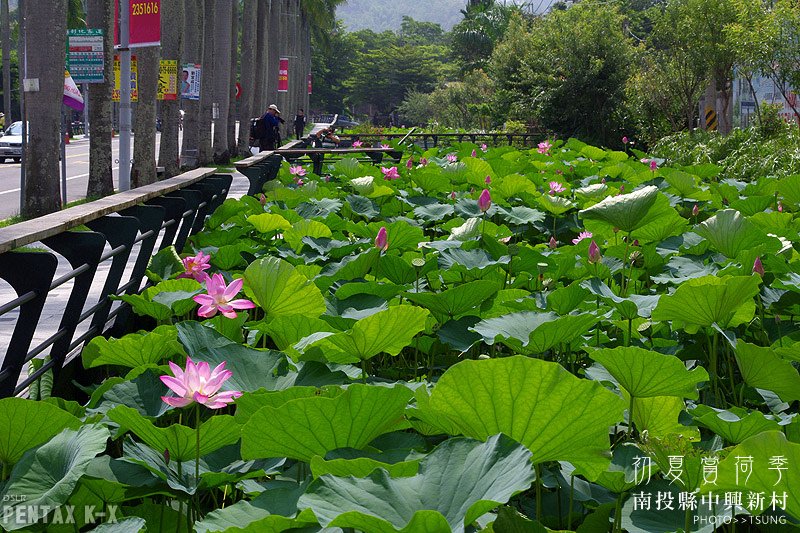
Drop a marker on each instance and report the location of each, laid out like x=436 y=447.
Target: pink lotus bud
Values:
x=453 y=195
x=262 y=199
x=553 y=244
x=695 y=210
x=653 y=165
x=621 y=189
x=382 y=240
x=484 y=148
x=624 y=140
x=594 y=253
x=484 y=201
x=488 y=180
x=423 y=161
x=636 y=242
x=410 y=163
x=357 y=144
x=474 y=153
x=780 y=207
x=758 y=267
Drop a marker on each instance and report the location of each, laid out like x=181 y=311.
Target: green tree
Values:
x=331 y=67
x=414 y=32
x=484 y=25
x=567 y=71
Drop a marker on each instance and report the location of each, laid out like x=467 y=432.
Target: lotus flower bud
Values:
x=484 y=201
x=553 y=244
x=695 y=210
x=382 y=240
x=758 y=267
x=594 y=253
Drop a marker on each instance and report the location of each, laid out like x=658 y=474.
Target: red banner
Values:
x=283 y=75
x=145 y=23
x=309 y=83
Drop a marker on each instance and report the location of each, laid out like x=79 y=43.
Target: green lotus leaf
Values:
x=735 y=424
x=763 y=477
x=762 y=368
x=126 y=525
x=467 y=260
x=645 y=374
x=555 y=205
x=181 y=441
x=45 y=477
x=252 y=369
x=280 y=290
x=387 y=331
x=531 y=332
x=286 y=331
x=493 y=471
x=431 y=180
x=456 y=301
x=523 y=398
x=305 y=427
x=268 y=222
x=626 y=212
x=659 y=417
x=730 y=233
x=348 y=167
x=305 y=228
x=357 y=463
x=512 y=185
x=726 y=301
x=133 y=350
x=142 y=393
x=630 y=466
x=25 y=424
x=165 y=264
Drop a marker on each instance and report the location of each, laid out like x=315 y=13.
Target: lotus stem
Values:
x=197 y=449
x=571 y=500
x=630 y=418
x=538 y=468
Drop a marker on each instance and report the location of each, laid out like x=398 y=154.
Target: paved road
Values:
x=77 y=175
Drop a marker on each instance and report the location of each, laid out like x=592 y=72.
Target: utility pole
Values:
x=124 y=96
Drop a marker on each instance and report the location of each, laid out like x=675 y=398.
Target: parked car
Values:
x=11 y=143
x=344 y=122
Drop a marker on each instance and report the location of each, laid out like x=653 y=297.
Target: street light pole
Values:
x=124 y=97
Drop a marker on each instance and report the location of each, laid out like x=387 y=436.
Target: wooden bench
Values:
x=318 y=156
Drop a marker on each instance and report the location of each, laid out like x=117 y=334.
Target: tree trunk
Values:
x=283 y=46
x=5 y=34
x=46 y=31
x=248 y=74
x=193 y=53
x=274 y=51
x=234 y=104
x=262 y=56
x=143 y=171
x=101 y=177
x=222 y=82
x=205 y=150
x=172 y=28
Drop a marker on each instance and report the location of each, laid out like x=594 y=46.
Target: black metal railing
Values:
x=433 y=140
x=113 y=237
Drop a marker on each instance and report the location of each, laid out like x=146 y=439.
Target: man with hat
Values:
x=272 y=122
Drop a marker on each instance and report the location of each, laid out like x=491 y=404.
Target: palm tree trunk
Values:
x=172 y=26
x=248 y=74
x=262 y=57
x=234 y=104
x=193 y=53
x=205 y=150
x=273 y=43
x=101 y=178
x=5 y=34
x=46 y=29
x=143 y=171
x=222 y=82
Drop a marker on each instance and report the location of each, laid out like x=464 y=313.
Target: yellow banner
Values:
x=168 y=79
x=134 y=80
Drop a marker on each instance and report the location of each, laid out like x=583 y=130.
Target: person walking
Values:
x=271 y=125
x=299 y=123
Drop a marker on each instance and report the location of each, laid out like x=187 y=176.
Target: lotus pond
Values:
x=483 y=339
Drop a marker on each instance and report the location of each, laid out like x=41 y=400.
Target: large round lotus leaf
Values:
x=625 y=211
x=458 y=482
x=280 y=290
x=537 y=403
x=729 y=233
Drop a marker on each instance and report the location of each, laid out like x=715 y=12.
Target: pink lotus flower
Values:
x=653 y=165
x=487 y=180
x=382 y=240
x=453 y=195
x=582 y=235
x=544 y=147
x=484 y=201
x=594 y=253
x=553 y=244
x=423 y=162
x=220 y=298
x=357 y=144
x=198 y=383
x=758 y=267
x=556 y=187
x=474 y=153
x=390 y=173
x=452 y=158
x=780 y=207
x=410 y=163
x=195 y=266
x=484 y=148
x=297 y=170
x=385 y=146
x=299 y=182
x=695 y=210
x=644 y=160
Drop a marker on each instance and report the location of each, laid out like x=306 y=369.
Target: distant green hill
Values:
x=379 y=15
